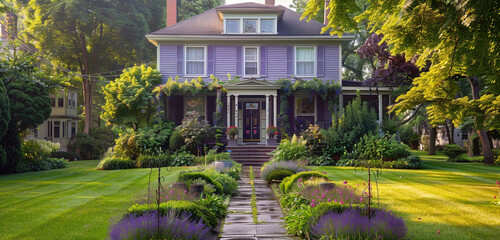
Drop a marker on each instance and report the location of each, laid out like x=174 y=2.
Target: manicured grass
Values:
x=76 y=202
x=451 y=198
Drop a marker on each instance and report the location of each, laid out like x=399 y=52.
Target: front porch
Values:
x=252 y=106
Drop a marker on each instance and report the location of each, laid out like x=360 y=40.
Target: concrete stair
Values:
x=255 y=155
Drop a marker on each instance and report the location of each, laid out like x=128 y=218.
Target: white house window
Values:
x=251 y=61
x=305 y=61
x=249 y=25
x=232 y=25
x=267 y=26
x=195 y=61
x=194 y=105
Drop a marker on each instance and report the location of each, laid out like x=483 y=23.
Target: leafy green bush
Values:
x=37 y=150
x=154 y=139
x=42 y=165
x=410 y=162
x=176 y=141
x=183 y=159
x=229 y=185
x=453 y=152
x=189 y=176
x=287 y=183
x=279 y=175
x=293 y=166
x=212 y=156
x=315 y=140
x=113 y=163
x=298 y=222
x=195 y=133
x=94 y=144
x=216 y=204
x=385 y=148
x=322 y=160
x=71 y=156
x=294 y=149
x=356 y=121
x=197 y=211
x=154 y=161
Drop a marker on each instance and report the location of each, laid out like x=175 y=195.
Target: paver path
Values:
x=239 y=221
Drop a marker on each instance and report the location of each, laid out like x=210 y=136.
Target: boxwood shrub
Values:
x=197 y=211
x=287 y=183
x=189 y=176
x=113 y=163
x=152 y=161
x=279 y=175
x=71 y=156
x=453 y=152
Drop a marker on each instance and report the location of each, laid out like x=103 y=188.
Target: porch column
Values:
x=236 y=111
x=228 y=112
x=380 y=114
x=267 y=113
x=275 y=112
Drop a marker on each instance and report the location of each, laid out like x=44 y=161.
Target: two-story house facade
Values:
x=260 y=44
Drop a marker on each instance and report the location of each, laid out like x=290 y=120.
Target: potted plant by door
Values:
x=272 y=131
x=232 y=131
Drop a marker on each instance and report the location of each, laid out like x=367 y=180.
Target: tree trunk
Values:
x=485 y=141
x=475 y=148
x=432 y=141
x=452 y=133
x=470 y=150
x=88 y=88
x=448 y=134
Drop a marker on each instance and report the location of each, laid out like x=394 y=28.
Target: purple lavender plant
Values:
x=171 y=227
x=354 y=224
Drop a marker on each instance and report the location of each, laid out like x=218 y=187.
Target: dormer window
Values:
x=250 y=24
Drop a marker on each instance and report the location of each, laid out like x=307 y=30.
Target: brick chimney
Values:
x=171 y=12
x=327 y=11
x=9 y=28
x=270 y=2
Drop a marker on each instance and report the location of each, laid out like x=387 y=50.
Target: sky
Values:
x=285 y=3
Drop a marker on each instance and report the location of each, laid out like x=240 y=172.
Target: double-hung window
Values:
x=267 y=26
x=305 y=61
x=251 y=61
x=233 y=26
x=195 y=61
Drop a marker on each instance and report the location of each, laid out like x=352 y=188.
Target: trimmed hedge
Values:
x=42 y=165
x=154 y=161
x=279 y=175
x=229 y=184
x=287 y=183
x=118 y=163
x=71 y=156
x=186 y=177
x=453 y=153
x=196 y=211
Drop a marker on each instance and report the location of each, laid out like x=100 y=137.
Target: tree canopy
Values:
x=189 y=8
x=129 y=99
x=457 y=38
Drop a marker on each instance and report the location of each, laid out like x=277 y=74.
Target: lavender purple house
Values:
x=260 y=44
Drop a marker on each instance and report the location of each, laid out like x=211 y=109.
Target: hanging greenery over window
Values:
x=327 y=90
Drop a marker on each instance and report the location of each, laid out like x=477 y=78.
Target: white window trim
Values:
x=204 y=61
x=258 y=18
x=258 y=61
x=315 y=61
x=275 y=25
x=315 y=114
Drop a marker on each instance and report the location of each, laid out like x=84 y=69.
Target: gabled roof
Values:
x=209 y=23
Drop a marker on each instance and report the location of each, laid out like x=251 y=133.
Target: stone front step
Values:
x=251 y=154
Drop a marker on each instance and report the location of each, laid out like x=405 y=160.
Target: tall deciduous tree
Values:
x=129 y=99
x=458 y=38
x=92 y=36
x=189 y=8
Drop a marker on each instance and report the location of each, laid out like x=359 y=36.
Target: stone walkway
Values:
x=239 y=221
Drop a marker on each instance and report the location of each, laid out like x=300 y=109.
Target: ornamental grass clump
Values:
x=293 y=166
x=355 y=224
x=171 y=226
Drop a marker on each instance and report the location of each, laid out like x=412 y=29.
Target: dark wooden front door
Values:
x=251 y=122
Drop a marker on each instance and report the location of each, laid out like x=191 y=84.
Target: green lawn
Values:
x=76 y=202
x=453 y=198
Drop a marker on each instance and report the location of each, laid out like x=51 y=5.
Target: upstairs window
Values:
x=305 y=61
x=267 y=26
x=232 y=25
x=195 y=61
x=249 y=25
x=251 y=61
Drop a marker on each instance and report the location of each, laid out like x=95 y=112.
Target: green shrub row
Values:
x=42 y=165
x=279 y=175
x=287 y=183
x=197 y=211
x=153 y=161
x=189 y=176
x=114 y=163
x=71 y=156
